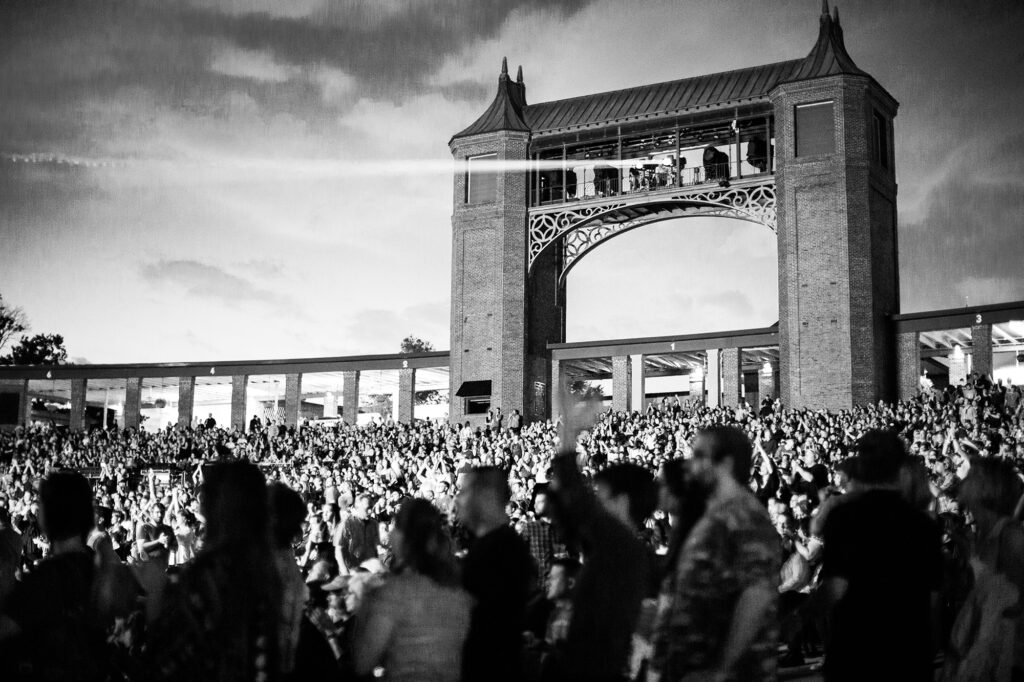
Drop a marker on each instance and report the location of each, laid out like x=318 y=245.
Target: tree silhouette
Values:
x=12 y=321
x=41 y=349
x=414 y=344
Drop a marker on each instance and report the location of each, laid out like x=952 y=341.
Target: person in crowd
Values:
x=416 y=624
x=515 y=422
x=882 y=571
x=721 y=623
x=153 y=539
x=539 y=534
x=360 y=537
x=991 y=493
x=287 y=513
x=614 y=579
x=10 y=554
x=390 y=461
x=49 y=629
x=220 y=619
x=496 y=572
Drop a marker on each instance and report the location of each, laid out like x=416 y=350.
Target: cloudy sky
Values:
x=223 y=179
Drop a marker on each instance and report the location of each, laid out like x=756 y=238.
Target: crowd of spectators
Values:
x=510 y=550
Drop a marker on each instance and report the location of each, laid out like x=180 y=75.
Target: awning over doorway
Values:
x=474 y=389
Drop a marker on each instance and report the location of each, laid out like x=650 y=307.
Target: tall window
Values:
x=880 y=140
x=481 y=179
x=815 y=131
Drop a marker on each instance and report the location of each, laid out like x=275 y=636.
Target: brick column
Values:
x=76 y=422
x=621 y=384
x=186 y=400
x=732 y=376
x=239 y=393
x=330 y=405
x=638 y=386
x=406 y=394
x=350 y=397
x=713 y=377
x=292 y=398
x=557 y=390
x=957 y=369
x=132 y=402
x=24 y=404
x=766 y=384
x=697 y=386
x=981 y=340
x=908 y=364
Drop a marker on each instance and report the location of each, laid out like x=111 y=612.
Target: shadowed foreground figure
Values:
x=611 y=585
x=496 y=571
x=50 y=627
x=882 y=572
x=219 y=622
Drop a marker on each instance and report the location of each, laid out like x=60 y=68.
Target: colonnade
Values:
x=719 y=383
x=293 y=398
x=908 y=358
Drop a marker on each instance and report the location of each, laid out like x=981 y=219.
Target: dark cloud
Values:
x=390 y=58
x=966 y=248
x=205 y=281
x=94 y=77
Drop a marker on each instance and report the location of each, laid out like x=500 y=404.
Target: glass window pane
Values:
x=481 y=179
x=815 y=135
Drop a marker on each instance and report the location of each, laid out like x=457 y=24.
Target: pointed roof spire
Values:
x=828 y=57
x=506 y=110
x=519 y=74
x=835 y=14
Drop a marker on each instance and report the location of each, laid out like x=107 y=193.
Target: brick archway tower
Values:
x=828 y=171
x=838 y=267
x=497 y=349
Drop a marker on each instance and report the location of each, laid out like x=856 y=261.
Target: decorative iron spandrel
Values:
x=582 y=228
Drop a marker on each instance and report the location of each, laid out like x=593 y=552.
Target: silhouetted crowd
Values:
x=682 y=542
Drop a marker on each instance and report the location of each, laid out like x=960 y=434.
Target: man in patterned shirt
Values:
x=719 y=622
x=539 y=534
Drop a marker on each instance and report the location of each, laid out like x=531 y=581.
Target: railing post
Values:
x=739 y=161
x=679 y=168
x=618 y=166
x=537 y=179
x=565 y=192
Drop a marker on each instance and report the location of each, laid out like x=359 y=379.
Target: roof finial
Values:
x=824 y=8
x=835 y=14
x=504 y=66
x=519 y=75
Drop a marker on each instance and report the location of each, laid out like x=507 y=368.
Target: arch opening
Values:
x=677 y=276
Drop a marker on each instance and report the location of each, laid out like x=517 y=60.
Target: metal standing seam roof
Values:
x=509 y=111
x=658 y=98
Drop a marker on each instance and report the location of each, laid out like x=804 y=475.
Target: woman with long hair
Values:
x=988 y=635
x=219 y=622
x=415 y=625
